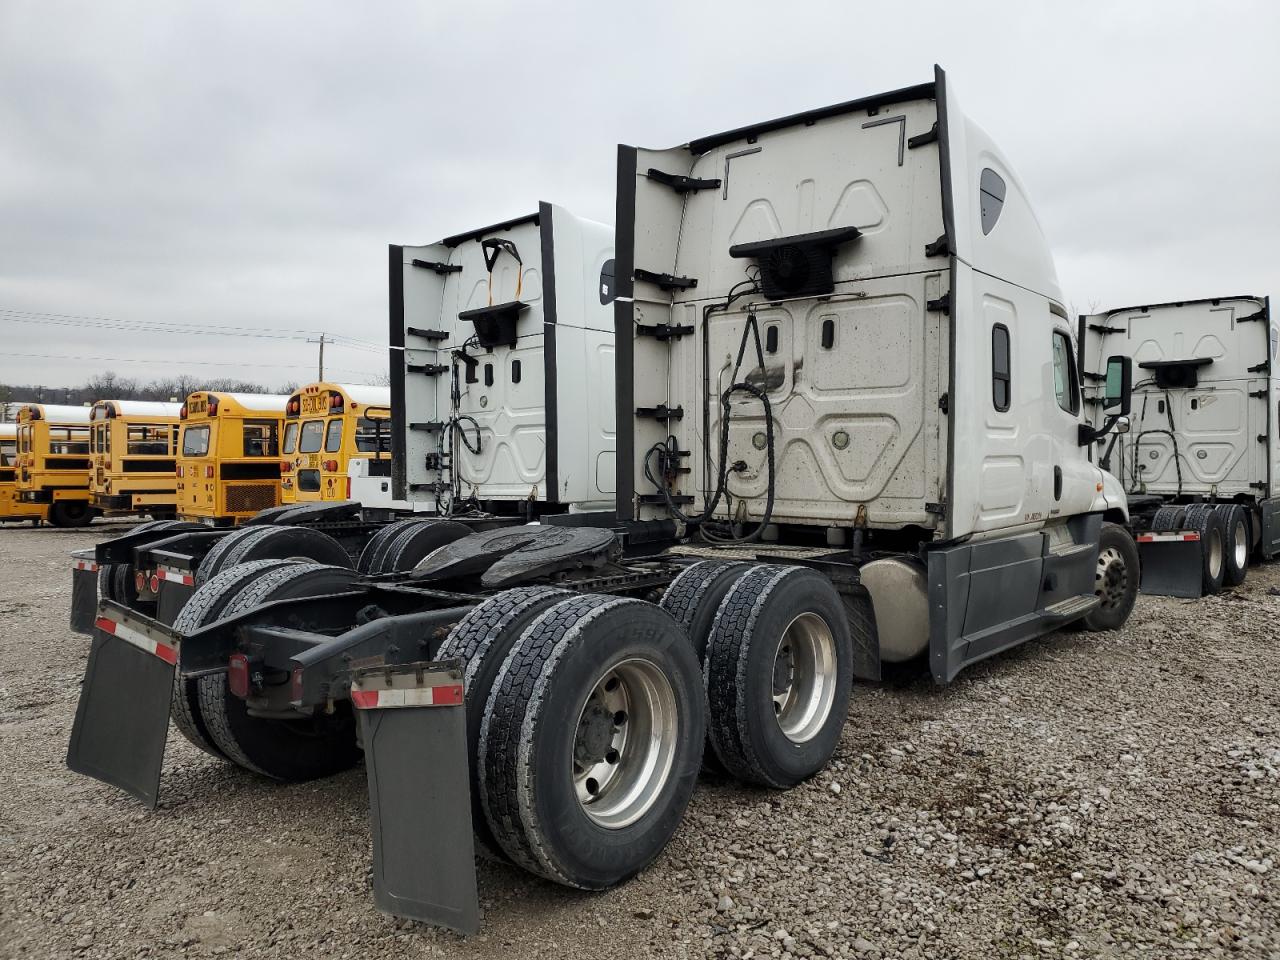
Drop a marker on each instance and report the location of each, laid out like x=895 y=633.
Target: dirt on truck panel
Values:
x=1012 y=813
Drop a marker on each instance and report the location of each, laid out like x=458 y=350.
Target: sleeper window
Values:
x=1000 y=377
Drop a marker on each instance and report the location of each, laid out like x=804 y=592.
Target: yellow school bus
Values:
x=134 y=448
x=229 y=456
x=11 y=508
x=53 y=462
x=327 y=426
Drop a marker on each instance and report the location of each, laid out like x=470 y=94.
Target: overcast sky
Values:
x=244 y=165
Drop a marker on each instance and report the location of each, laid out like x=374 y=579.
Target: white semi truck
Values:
x=840 y=330
x=1201 y=464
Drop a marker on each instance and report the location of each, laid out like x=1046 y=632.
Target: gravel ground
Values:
x=1084 y=795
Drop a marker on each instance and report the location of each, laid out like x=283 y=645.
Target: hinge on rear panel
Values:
x=943 y=303
x=1263 y=367
x=681 y=184
x=920 y=139
x=429 y=426
x=1257 y=485
x=1260 y=315
x=944 y=403
x=1258 y=393
x=440 y=268
x=666 y=281
x=427 y=334
x=1103 y=328
x=661 y=412
x=937 y=509
x=427 y=369
x=662 y=331
x=939 y=248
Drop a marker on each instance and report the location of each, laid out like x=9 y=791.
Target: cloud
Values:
x=247 y=164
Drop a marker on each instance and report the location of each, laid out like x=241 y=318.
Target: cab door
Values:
x=1075 y=479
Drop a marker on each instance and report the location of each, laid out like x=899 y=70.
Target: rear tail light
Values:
x=348 y=496
x=284 y=466
x=155 y=583
x=213 y=406
x=238 y=675
x=182 y=414
x=208 y=472
x=140 y=581
x=179 y=471
x=331 y=466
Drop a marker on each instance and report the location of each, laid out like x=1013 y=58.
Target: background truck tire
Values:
x=1237 y=543
x=107 y=580
x=1207 y=521
x=1168 y=518
x=552 y=725
x=483 y=638
x=694 y=596
x=291 y=750
x=370 y=560
x=417 y=541
x=778 y=672
x=1117 y=579
x=271 y=543
x=203 y=608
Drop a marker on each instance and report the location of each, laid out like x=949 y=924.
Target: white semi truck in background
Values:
x=841 y=350
x=1201 y=463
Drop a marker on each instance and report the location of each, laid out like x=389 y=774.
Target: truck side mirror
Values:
x=1119 y=390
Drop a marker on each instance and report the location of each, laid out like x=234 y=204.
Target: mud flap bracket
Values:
x=413 y=725
x=122 y=719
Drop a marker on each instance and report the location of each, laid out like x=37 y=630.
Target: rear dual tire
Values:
x=271 y=543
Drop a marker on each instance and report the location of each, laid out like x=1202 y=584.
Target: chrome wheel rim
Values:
x=1242 y=545
x=1215 y=554
x=1111 y=581
x=625 y=743
x=804 y=677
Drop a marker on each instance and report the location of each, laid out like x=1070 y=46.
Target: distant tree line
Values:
x=109 y=386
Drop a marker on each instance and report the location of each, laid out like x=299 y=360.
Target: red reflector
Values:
x=348 y=497
x=284 y=466
x=167 y=654
x=104 y=624
x=238 y=675
x=364 y=699
x=155 y=583
x=179 y=471
x=208 y=472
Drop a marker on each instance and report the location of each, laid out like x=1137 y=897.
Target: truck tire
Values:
x=694 y=596
x=1238 y=543
x=124 y=588
x=271 y=543
x=107 y=580
x=1206 y=521
x=778 y=672
x=483 y=638
x=201 y=609
x=1116 y=579
x=290 y=750
x=1168 y=518
x=71 y=513
x=592 y=740
x=370 y=560
x=414 y=543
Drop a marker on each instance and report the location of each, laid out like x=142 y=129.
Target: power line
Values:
x=179 y=328
x=170 y=362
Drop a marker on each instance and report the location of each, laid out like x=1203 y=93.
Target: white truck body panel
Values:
x=543 y=406
x=896 y=413
x=1217 y=439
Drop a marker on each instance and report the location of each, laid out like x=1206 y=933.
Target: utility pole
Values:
x=321 y=342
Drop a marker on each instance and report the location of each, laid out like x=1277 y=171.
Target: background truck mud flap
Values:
x=84 y=591
x=122 y=719
x=413 y=726
x=1171 y=564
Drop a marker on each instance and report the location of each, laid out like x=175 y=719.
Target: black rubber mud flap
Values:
x=414 y=729
x=84 y=591
x=1172 y=564
x=122 y=719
